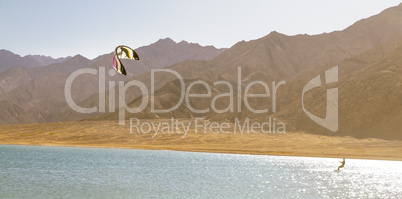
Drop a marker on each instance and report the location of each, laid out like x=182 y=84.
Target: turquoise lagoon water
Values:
x=70 y=172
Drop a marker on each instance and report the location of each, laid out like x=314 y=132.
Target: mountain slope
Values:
x=370 y=89
x=278 y=56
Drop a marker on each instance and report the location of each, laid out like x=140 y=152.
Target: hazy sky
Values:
x=94 y=27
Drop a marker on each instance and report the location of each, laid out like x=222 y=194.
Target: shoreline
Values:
x=239 y=152
x=108 y=134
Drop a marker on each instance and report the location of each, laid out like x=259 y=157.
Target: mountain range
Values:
x=367 y=53
x=9 y=59
x=38 y=92
x=369 y=59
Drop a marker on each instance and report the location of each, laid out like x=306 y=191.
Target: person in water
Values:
x=342 y=164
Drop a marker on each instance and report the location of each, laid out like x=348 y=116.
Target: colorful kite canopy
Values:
x=123 y=52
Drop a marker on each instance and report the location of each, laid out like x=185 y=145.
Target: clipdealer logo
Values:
x=242 y=97
x=330 y=121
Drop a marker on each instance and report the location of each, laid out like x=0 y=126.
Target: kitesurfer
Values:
x=342 y=164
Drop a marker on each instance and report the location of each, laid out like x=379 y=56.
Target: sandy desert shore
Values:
x=109 y=134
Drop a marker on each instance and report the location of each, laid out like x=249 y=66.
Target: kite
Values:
x=123 y=52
